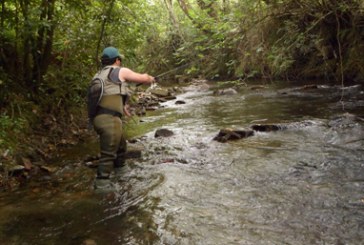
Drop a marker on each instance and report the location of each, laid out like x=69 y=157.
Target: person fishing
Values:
x=107 y=96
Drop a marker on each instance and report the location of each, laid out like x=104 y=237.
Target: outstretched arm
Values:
x=126 y=74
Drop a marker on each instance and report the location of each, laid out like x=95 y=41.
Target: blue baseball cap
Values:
x=110 y=53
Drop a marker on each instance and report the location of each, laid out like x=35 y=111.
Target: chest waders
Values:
x=106 y=118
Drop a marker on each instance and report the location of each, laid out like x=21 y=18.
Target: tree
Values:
x=30 y=40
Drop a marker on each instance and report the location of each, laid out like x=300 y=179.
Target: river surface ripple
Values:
x=302 y=185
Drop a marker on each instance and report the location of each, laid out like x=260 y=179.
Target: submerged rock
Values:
x=180 y=102
x=133 y=154
x=345 y=120
x=257 y=87
x=171 y=97
x=228 y=91
x=266 y=127
x=163 y=132
x=230 y=134
x=283 y=126
x=346 y=130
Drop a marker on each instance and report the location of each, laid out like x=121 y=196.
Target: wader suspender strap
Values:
x=114 y=77
x=102 y=89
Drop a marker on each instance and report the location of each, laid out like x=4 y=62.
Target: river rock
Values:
x=345 y=120
x=151 y=108
x=199 y=81
x=133 y=153
x=89 y=242
x=257 y=87
x=160 y=92
x=266 y=127
x=228 y=91
x=284 y=126
x=180 y=102
x=163 y=132
x=170 y=97
x=232 y=134
x=16 y=170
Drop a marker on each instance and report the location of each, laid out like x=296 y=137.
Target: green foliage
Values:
x=9 y=128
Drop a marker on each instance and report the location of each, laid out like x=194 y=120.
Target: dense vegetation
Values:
x=49 y=49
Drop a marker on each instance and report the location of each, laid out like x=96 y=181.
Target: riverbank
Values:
x=35 y=155
x=31 y=158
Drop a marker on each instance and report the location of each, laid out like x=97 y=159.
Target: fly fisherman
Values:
x=107 y=97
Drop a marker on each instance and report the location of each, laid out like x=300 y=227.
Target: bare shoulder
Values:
x=125 y=70
x=125 y=73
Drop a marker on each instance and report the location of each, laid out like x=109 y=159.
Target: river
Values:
x=301 y=185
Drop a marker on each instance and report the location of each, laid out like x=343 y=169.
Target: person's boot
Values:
x=119 y=162
x=103 y=182
x=103 y=185
x=104 y=170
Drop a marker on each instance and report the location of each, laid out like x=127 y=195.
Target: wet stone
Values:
x=91 y=164
x=345 y=120
x=282 y=126
x=228 y=91
x=163 y=132
x=160 y=92
x=151 y=108
x=266 y=127
x=171 y=97
x=257 y=87
x=180 y=102
x=133 y=154
x=16 y=170
x=230 y=134
x=89 y=242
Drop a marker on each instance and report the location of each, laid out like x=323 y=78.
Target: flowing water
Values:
x=302 y=185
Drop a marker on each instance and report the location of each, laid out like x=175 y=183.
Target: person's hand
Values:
x=153 y=83
x=126 y=110
x=152 y=79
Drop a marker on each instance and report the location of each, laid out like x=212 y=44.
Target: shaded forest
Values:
x=49 y=49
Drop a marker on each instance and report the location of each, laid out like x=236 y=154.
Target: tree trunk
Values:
x=27 y=43
x=186 y=7
x=43 y=48
x=108 y=13
x=47 y=50
x=210 y=7
x=38 y=49
x=2 y=41
x=172 y=16
x=226 y=6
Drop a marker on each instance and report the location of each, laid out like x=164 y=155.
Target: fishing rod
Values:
x=171 y=71
x=168 y=72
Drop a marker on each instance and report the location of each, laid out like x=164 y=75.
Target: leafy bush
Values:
x=9 y=129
